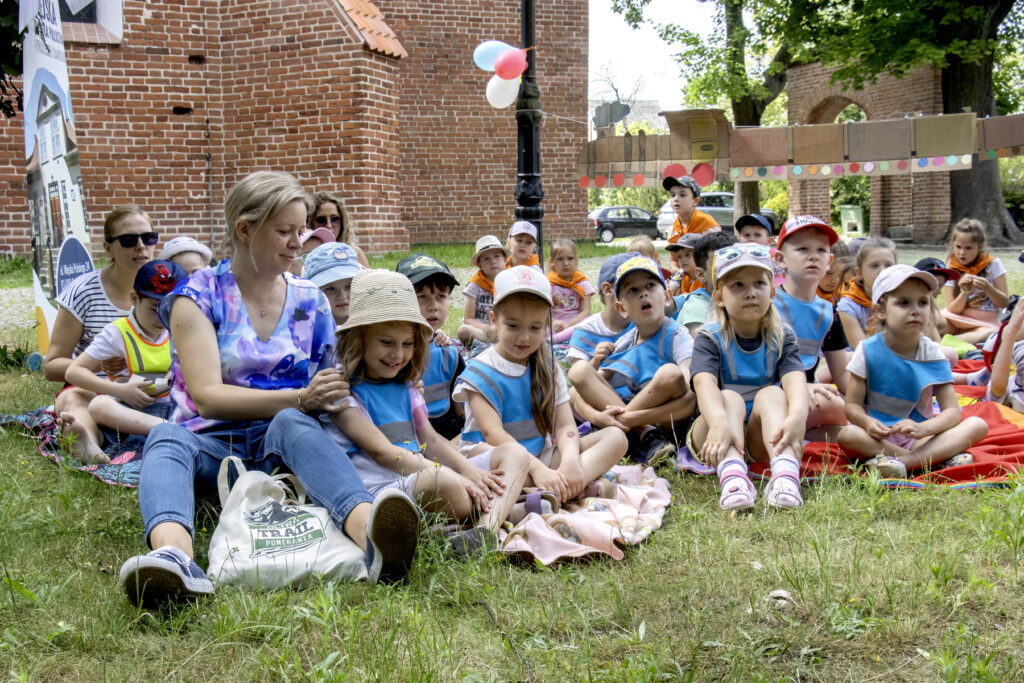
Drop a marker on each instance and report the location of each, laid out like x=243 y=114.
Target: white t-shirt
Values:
x=110 y=344
x=1014 y=394
x=492 y=358
x=979 y=299
x=926 y=350
x=87 y=301
x=595 y=324
x=484 y=301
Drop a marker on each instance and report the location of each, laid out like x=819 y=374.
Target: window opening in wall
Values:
x=56 y=217
x=55 y=143
x=64 y=202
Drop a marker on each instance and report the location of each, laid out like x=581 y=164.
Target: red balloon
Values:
x=510 y=64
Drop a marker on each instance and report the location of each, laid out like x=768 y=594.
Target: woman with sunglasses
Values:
x=92 y=301
x=329 y=213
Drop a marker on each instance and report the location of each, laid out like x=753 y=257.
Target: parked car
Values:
x=719 y=205
x=621 y=221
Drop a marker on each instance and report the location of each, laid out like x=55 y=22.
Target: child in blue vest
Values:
x=641 y=387
x=384 y=424
x=515 y=395
x=434 y=282
x=138 y=399
x=750 y=383
x=594 y=338
x=805 y=254
x=893 y=375
x=695 y=309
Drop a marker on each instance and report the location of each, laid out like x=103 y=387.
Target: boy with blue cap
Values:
x=331 y=267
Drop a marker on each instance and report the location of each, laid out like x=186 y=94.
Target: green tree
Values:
x=10 y=62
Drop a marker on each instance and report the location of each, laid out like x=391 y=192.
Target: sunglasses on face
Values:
x=129 y=241
x=321 y=221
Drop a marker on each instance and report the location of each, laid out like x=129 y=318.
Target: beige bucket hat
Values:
x=381 y=296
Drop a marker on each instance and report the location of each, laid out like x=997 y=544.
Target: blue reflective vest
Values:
x=745 y=372
x=390 y=408
x=437 y=380
x=510 y=397
x=810 y=321
x=895 y=383
x=586 y=340
x=680 y=304
x=636 y=365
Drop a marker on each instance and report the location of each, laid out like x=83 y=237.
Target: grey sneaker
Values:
x=891 y=468
x=957 y=460
x=392 y=531
x=165 y=574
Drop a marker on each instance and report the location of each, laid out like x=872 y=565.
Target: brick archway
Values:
x=921 y=200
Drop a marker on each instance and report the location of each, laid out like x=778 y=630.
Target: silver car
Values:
x=719 y=205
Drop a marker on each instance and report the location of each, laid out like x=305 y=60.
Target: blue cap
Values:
x=331 y=262
x=157 y=279
x=754 y=219
x=611 y=264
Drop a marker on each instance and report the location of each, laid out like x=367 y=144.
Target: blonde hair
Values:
x=321 y=198
x=644 y=245
x=111 y=220
x=257 y=197
x=870 y=245
x=542 y=375
x=351 y=345
x=559 y=245
x=772 y=330
x=974 y=229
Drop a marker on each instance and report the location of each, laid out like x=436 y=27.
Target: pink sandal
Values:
x=784 y=491
x=738 y=493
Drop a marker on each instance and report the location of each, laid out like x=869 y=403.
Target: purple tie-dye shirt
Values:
x=301 y=345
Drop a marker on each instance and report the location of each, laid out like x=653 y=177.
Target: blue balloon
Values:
x=488 y=51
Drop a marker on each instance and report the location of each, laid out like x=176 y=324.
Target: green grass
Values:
x=883 y=585
x=15 y=272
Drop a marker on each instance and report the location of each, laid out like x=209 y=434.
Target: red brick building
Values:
x=380 y=104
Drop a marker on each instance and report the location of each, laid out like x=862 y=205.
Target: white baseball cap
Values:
x=523 y=228
x=521 y=279
x=179 y=245
x=894 y=276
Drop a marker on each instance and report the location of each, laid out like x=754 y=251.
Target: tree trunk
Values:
x=747 y=198
x=977 y=193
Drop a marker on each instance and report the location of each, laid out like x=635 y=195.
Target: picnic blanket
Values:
x=594 y=526
x=125 y=456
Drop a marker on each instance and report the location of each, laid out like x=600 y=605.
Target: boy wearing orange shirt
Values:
x=684 y=193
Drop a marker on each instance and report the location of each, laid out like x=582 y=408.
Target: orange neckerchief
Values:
x=980 y=264
x=856 y=292
x=482 y=282
x=827 y=296
x=574 y=284
x=689 y=284
x=534 y=260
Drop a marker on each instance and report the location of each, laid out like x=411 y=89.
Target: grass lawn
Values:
x=879 y=585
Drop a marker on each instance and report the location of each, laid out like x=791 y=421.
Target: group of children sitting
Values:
x=715 y=361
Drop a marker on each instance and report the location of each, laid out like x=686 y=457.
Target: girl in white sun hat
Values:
x=383 y=348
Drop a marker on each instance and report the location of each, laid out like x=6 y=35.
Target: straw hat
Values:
x=381 y=296
x=486 y=243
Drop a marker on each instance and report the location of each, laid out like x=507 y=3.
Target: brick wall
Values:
x=922 y=199
x=411 y=146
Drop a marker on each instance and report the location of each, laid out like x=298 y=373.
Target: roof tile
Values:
x=370 y=23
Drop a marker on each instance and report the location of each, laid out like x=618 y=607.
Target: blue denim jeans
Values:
x=178 y=464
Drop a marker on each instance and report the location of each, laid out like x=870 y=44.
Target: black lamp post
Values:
x=529 y=190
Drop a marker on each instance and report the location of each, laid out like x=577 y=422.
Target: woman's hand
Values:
x=325 y=392
x=133 y=392
x=548 y=479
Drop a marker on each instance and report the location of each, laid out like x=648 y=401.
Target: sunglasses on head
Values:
x=129 y=241
x=727 y=254
x=321 y=221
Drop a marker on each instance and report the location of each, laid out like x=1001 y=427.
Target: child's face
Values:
x=746 y=294
x=145 y=312
x=965 y=248
x=875 y=262
x=387 y=348
x=756 y=234
x=830 y=280
x=491 y=262
x=907 y=310
x=521 y=247
x=337 y=294
x=520 y=322
x=806 y=256
x=433 y=304
x=642 y=299
x=190 y=261
x=564 y=263
x=686 y=262
x=683 y=201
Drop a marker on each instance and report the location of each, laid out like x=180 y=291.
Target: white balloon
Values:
x=502 y=93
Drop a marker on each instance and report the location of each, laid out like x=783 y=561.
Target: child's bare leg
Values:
x=74 y=421
x=830 y=412
x=513 y=459
x=599 y=452
x=440 y=490
x=951 y=355
x=108 y=412
x=944 y=446
x=766 y=417
x=977 y=335
x=592 y=387
x=738 y=493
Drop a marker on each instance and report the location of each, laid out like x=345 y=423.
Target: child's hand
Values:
x=489 y=480
x=720 y=440
x=966 y=283
x=574 y=478
x=133 y=392
x=608 y=418
x=558 y=326
x=819 y=393
x=548 y=479
x=877 y=429
x=915 y=430
x=603 y=350
x=481 y=497
x=441 y=339
x=790 y=435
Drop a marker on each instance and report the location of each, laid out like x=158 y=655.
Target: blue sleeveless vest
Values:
x=740 y=371
x=586 y=341
x=810 y=320
x=680 y=304
x=895 y=383
x=510 y=397
x=437 y=380
x=639 y=363
x=391 y=410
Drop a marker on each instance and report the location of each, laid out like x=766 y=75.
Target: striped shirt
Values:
x=86 y=300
